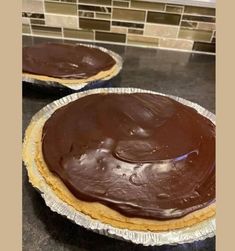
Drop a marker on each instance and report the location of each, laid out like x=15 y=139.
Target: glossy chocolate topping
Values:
x=65 y=61
x=143 y=155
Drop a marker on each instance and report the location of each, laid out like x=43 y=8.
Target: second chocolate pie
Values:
x=67 y=63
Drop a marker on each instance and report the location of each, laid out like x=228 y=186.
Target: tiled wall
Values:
x=139 y=23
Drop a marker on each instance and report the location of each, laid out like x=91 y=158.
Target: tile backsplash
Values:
x=130 y=22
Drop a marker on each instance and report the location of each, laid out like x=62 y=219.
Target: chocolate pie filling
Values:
x=65 y=61
x=143 y=155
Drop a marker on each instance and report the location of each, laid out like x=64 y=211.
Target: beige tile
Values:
x=176 y=43
x=141 y=40
x=32 y=6
x=161 y=30
x=135 y=31
x=206 y=26
x=174 y=8
x=25 y=20
x=196 y=35
x=61 y=8
x=127 y=14
x=80 y=34
x=61 y=21
x=46 y=31
x=26 y=29
x=116 y=29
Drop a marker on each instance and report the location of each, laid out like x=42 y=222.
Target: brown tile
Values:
x=213 y=40
x=159 y=30
x=61 y=21
x=142 y=40
x=174 y=8
x=135 y=31
x=103 y=15
x=176 y=43
x=81 y=34
x=61 y=8
x=86 y=14
x=37 y=21
x=46 y=30
x=98 y=2
x=196 y=35
x=163 y=18
x=147 y=5
x=127 y=24
x=111 y=37
x=206 y=47
x=206 y=26
x=127 y=14
x=199 y=10
x=32 y=15
x=189 y=24
x=121 y=3
x=26 y=29
x=199 y=18
x=94 y=24
x=32 y=6
x=69 y=1
x=94 y=8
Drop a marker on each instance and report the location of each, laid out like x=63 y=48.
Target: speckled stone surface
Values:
x=188 y=75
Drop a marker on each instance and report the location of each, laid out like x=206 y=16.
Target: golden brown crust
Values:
x=97 y=210
x=68 y=82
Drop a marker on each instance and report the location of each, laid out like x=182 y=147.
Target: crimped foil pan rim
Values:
x=75 y=87
x=197 y=232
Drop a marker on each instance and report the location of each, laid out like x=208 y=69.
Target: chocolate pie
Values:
x=137 y=161
x=67 y=63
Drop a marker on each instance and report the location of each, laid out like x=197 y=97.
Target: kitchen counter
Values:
x=188 y=75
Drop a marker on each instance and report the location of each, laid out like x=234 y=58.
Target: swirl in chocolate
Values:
x=65 y=61
x=143 y=155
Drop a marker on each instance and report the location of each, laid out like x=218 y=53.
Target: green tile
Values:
x=26 y=29
x=61 y=8
x=127 y=14
x=37 y=21
x=110 y=36
x=189 y=24
x=81 y=34
x=98 y=2
x=196 y=35
x=135 y=31
x=199 y=10
x=174 y=9
x=163 y=18
x=120 y=4
x=94 y=8
x=94 y=24
x=141 y=40
x=147 y=5
x=69 y=1
x=103 y=15
x=206 y=47
x=46 y=31
x=199 y=18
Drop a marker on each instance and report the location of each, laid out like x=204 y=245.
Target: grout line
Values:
x=122 y=44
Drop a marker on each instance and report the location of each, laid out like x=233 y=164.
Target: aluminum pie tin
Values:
x=197 y=232
x=86 y=84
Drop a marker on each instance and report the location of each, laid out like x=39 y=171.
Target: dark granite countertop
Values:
x=188 y=75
